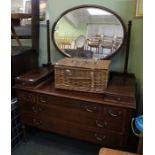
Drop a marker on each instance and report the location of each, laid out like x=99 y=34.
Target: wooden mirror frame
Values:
x=93 y=6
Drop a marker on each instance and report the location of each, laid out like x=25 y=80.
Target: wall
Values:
x=65 y=28
x=126 y=10
x=16 y=5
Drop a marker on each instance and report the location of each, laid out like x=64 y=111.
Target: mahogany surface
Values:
x=35 y=76
x=99 y=118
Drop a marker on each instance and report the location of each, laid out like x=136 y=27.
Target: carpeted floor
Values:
x=43 y=143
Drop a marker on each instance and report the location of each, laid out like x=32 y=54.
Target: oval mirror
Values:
x=89 y=31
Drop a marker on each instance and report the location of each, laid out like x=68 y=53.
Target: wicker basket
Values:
x=82 y=74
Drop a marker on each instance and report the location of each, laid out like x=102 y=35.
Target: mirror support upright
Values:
x=127 y=47
x=48 y=44
x=49 y=64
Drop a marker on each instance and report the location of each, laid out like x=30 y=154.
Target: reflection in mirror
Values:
x=89 y=29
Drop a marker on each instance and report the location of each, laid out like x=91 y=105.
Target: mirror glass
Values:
x=88 y=31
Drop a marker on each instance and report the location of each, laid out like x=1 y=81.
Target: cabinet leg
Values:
x=24 y=133
x=140 y=146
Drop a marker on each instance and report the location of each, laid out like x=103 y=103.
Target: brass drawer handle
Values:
x=23 y=83
x=43 y=101
x=100 y=138
x=90 y=109
x=37 y=122
x=34 y=109
x=114 y=115
x=118 y=98
x=40 y=109
x=101 y=125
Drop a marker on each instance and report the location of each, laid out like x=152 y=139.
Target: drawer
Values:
x=83 y=107
x=106 y=125
x=115 y=118
x=29 y=108
x=73 y=115
x=26 y=96
x=118 y=99
x=108 y=139
x=81 y=118
x=73 y=130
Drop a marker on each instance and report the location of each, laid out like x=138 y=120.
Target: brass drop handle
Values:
x=101 y=125
x=34 y=109
x=114 y=115
x=100 y=138
x=23 y=83
x=90 y=109
x=40 y=109
x=36 y=122
x=118 y=99
x=42 y=100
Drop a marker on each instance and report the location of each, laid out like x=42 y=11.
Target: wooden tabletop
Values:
x=105 y=151
x=117 y=86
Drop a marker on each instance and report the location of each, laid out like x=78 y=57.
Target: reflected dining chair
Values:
x=107 y=42
x=94 y=42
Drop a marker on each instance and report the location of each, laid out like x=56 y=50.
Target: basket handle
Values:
x=92 y=79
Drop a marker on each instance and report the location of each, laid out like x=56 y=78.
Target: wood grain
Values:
x=85 y=116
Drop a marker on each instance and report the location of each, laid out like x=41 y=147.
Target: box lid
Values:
x=35 y=76
x=84 y=63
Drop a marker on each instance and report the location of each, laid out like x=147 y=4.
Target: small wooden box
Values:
x=85 y=75
x=34 y=77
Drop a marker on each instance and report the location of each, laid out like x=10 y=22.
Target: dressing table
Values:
x=102 y=118
x=99 y=118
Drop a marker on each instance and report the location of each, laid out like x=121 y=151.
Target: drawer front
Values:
x=73 y=130
x=29 y=108
x=26 y=96
x=118 y=99
x=95 y=118
x=105 y=125
x=73 y=116
x=115 y=118
x=82 y=107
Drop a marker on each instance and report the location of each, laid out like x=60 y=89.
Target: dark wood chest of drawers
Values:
x=100 y=118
